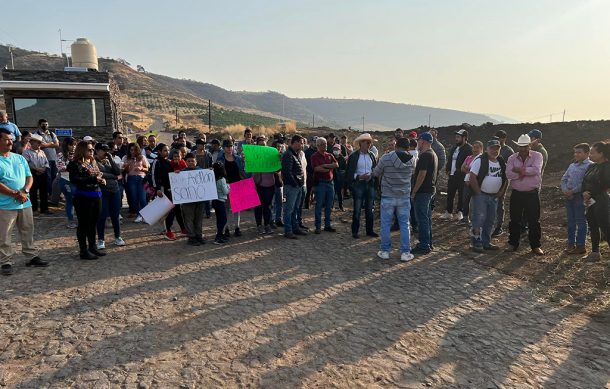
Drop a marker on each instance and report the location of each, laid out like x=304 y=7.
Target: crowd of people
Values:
x=401 y=179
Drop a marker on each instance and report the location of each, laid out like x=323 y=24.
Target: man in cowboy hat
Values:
x=524 y=170
x=39 y=165
x=359 y=178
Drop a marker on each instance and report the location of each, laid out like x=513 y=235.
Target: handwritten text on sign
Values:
x=261 y=159
x=243 y=195
x=190 y=186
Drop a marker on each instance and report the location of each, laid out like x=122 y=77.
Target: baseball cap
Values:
x=215 y=142
x=493 y=142
x=426 y=136
x=88 y=139
x=227 y=143
x=536 y=134
x=200 y=142
x=413 y=134
x=102 y=146
x=462 y=132
x=501 y=134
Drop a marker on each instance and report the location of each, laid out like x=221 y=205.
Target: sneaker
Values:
x=372 y=234
x=200 y=239
x=459 y=216
x=273 y=226
x=303 y=227
x=72 y=224
x=237 y=231
x=299 y=232
x=227 y=233
x=383 y=254
x=279 y=223
x=184 y=231
x=169 y=235
x=119 y=242
x=7 y=269
x=268 y=230
x=290 y=235
x=101 y=245
x=497 y=232
x=138 y=219
x=420 y=251
x=406 y=256
x=491 y=247
x=218 y=241
x=261 y=230
x=445 y=216
x=193 y=242
x=593 y=256
x=330 y=229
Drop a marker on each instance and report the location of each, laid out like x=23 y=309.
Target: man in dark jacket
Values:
x=294 y=178
x=359 y=178
x=457 y=156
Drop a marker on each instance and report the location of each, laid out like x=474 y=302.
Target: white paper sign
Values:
x=190 y=186
x=156 y=210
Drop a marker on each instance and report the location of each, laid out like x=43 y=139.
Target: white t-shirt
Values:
x=493 y=180
x=454 y=158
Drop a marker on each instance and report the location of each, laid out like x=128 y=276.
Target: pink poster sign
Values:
x=243 y=195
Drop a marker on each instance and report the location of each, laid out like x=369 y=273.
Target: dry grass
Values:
x=237 y=130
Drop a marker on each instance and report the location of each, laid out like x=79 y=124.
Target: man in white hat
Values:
x=524 y=170
x=359 y=178
x=39 y=166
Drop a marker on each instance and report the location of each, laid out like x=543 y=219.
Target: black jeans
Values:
x=363 y=192
x=528 y=204
x=176 y=213
x=597 y=217
x=220 y=210
x=263 y=211
x=39 y=188
x=87 y=212
x=455 y=184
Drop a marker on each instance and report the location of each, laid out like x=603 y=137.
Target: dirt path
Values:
x=268 y=312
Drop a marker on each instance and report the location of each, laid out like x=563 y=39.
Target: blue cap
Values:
x=493 y=142
x=535 y=134
x=426 y=136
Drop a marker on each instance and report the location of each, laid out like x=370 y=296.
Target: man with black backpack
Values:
x=488 y=183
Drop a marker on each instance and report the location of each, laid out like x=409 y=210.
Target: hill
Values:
x=153 y=95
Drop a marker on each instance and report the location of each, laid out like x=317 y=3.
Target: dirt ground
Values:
x=321 y=311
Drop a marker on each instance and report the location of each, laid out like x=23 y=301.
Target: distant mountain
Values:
x=159 y=95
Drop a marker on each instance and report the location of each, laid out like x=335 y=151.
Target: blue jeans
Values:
x=484 y=209
x=51 y=173
x=67 y=189
x=135 y=186
x=325 y=195
x=278 y=203
x=111 y=206
x=300 y=205
x=291 y=206
x=577 y=222
x=423 y=213
x=401 y=206
x=363 y=193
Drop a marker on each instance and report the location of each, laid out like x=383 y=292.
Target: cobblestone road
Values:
x=322 y=311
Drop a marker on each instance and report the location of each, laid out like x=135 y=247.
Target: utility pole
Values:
x=10 y=50
x=362 y=123
x=551 y=119
x=429 y=118
x=313 y=121
x=176 y=117
x=210 y=114
x=564 y=115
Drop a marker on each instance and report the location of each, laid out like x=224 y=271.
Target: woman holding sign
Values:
x=160 y=177
x=265 y=187
x=234 y=167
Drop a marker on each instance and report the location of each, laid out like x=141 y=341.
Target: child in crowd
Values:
x=192 y=213
x=571 y=186
x=39 y=164
x=219 y=205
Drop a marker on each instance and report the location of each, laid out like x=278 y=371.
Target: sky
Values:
x=524 y=59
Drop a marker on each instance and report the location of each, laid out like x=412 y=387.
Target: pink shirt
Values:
x=134 y=167
x=532 y=179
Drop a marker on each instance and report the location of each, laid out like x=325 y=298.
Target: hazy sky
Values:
x=520 y=58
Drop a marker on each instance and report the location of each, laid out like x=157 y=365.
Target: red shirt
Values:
x=180 y=166
x=318 y=159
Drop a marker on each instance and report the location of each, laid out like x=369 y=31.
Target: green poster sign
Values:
x=261 y=159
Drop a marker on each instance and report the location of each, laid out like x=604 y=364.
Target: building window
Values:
x=68 y=112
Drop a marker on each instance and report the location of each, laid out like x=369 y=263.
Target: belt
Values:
x=489 y=194
x=526 y=191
